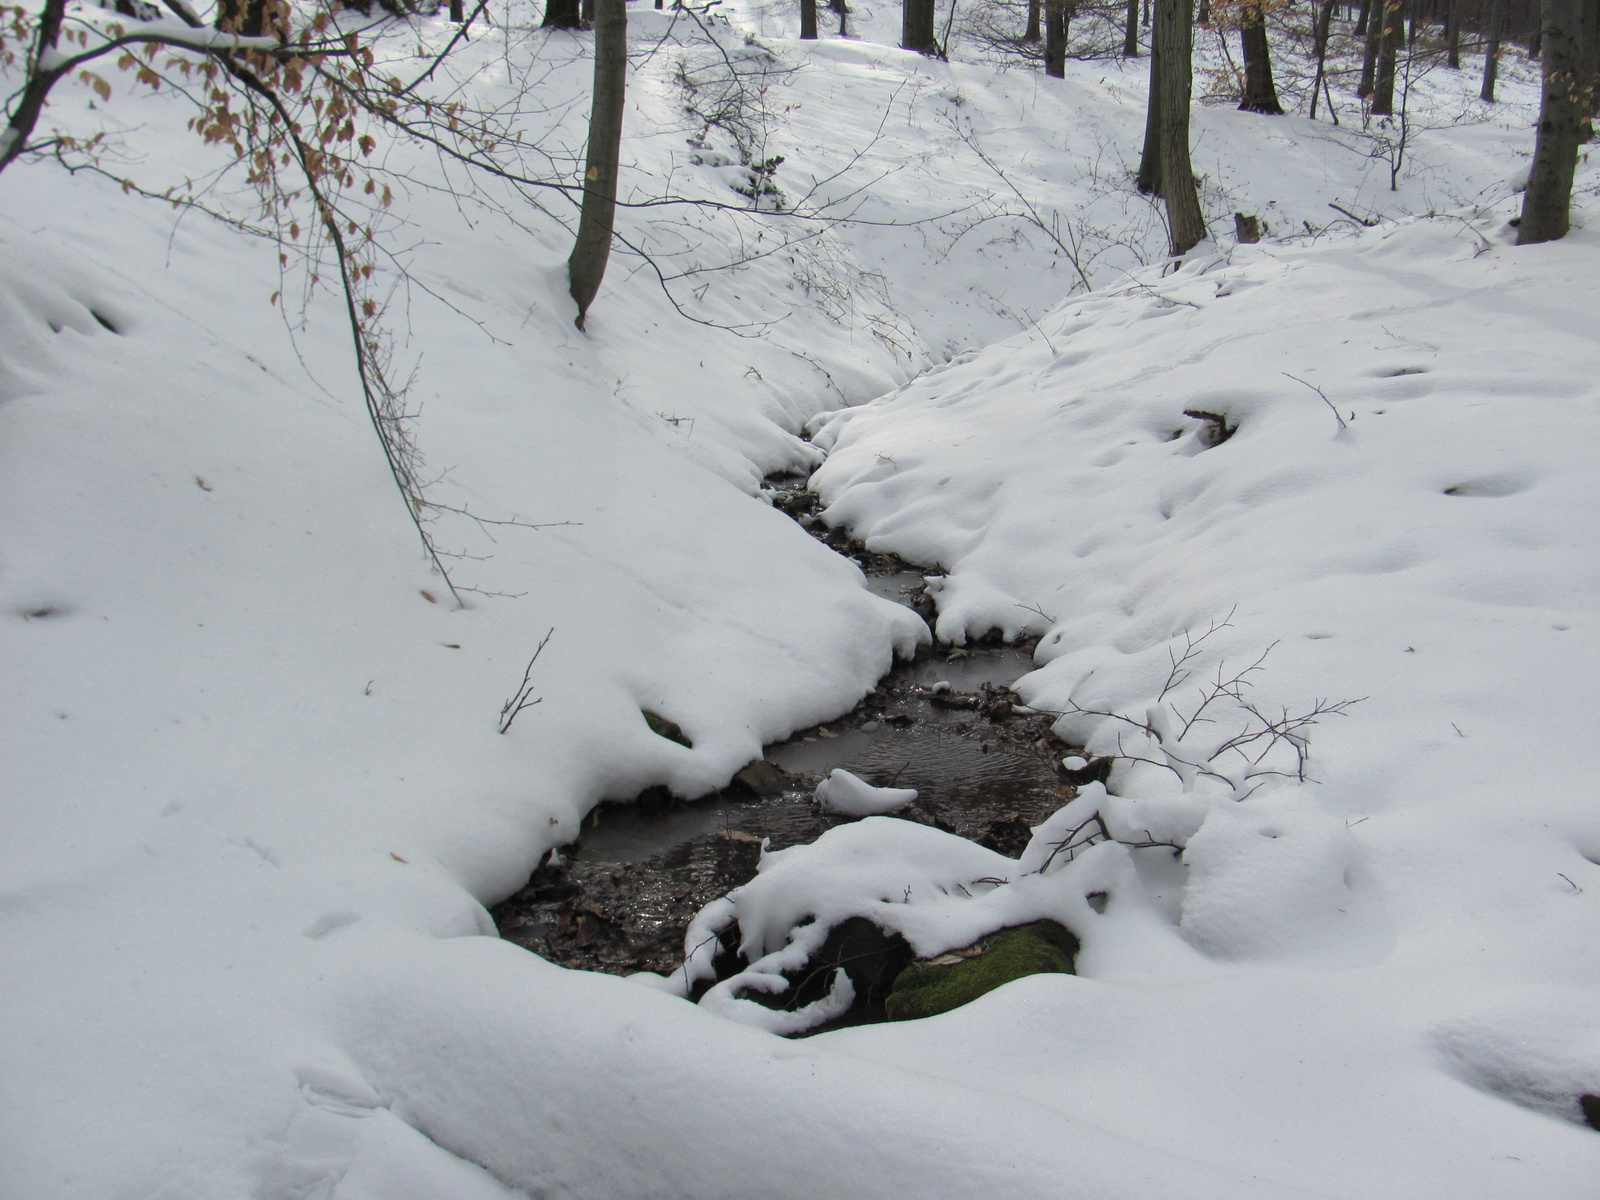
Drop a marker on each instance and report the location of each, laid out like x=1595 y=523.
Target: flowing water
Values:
x=621 y=897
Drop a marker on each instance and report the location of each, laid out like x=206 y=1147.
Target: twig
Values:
x=1321 y=393
x=520 y=699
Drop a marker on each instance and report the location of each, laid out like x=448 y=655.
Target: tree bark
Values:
x=1260 y=95
x=808 y=20
x=1324 y=28
x=1546 y=203
x=587 y=266
x=1361 y=21
x=1130 y=34
x=1394 y=31
x=563 y=14
x=1369 y=56
x=1055 y=38
x=1174 y=37
x=1452 y=34
x=1491 y=57
x=1031 y=33
x=916 y=27
x=1590 y=44
x=1149 y=178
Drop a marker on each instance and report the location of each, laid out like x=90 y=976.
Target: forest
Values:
x=678 y=599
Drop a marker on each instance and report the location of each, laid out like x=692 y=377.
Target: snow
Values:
x=842 y=792
x=255 y=800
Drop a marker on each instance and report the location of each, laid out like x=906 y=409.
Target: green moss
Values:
x=926 y=988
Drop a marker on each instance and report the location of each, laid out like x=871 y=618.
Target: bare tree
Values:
x=917 y=27
x=1390 y=36
x=587 y=266
x=1491 y=54
x=1057 y=16
x=1546 y=204
x=1174 y=48
x=1259 y=93
x=1149 y=177
x=808 y=20
x=563 y=14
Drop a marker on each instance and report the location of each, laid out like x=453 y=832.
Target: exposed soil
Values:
x=946 y=723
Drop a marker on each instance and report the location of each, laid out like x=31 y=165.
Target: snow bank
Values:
x=1384 y=483
x=254 y=797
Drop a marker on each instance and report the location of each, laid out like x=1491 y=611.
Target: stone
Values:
x=662 y=727
x=927 y=988
x=762 y=778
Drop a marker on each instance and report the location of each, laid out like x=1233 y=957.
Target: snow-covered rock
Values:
x=843 y=792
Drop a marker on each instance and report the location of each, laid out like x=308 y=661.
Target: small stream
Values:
x=620 y=899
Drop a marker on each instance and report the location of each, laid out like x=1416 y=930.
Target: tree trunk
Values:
x=1586 y=59
x=587 y=266
x=1055 y=38
x=1324 y=27
x=916 y=27
x=563 y=14
x=1260 y=95
x=1369 y=56
x=843 y=9
x=1546 y=203
x=586 y=13
x=1149 y=179
x=1361 y=21
x=1452 y=34
x=1031 y=33
x=1203 y=17
x=808 y=20
x=1130 y=34
x=1491 y=57
x=1174 y=38
x=1394 y=30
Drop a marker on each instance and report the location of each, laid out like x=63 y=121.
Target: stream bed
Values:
x=621 y=897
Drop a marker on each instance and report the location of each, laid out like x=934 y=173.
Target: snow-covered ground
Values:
x=255 y=800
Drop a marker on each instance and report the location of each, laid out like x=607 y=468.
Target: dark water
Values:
x=943 y=724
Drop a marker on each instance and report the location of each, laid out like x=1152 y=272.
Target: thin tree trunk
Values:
x=1324 y=27
x=1203 y=17
x=1055 y=38
x=1491 y=57
x=1546 y=203
x=1031 y=33
x=1149 y=178
x=843 y=9
x=1260 y=95
x=1586 y=58
x=1130 y=33
x=1452 y=34
x=587 y=266
x=916 y=27
x=1369 y=57
x=1174 y=37
x=808 y=20
x=1361 y=21
x=1394 y=30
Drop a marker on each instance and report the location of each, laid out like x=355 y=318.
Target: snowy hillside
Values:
x=256 y=799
